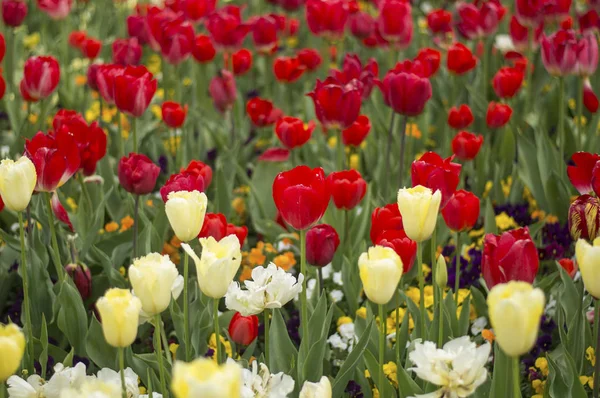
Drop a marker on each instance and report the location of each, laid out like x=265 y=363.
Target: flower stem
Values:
x=397 y=345
x=2 y=391
x=216 y=327
x=303 y=304
x=266 y=313
x=579 y=115
x=402 y=131
x=530 y=64
x=440 y=341
x=382 y=324
x=597 y=363
x=389 y=144
x=55 y=253
x=516 y=377
x=122 y=371
x=26 y=303
x=120 y=137
x=134 y=131
x=561 y=122
x=421 y=289
x=159 y=354
x=340 y=152
x=136 y=210
x=485 y=68
x=186 y=310
x=457 y=270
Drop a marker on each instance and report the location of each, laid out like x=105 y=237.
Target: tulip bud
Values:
x=515 y=310
x=185 y=211
x=321 y=243
x=460 y=59
x=203 y=50
x=347 y=188
x=137 y=174
x=59 y=211
x=292 y=132
x=173 y=114
x=152 y=277
x=590 y=100
x=134 y=90
x=380 y=271
x=243 y=329
x=204 y=376
x=242 y=61
x=12 y=348
x=288 y=69
x=441 y=272
x=466 y=145
x=223 y=91
x=356 y=134
x=119 y=313
x=588 y=260
x=17 y=182
x=569 y=266
x=13 y=12
x=82 y=277
x=559 y=52
x=215 y=225
x=310 y=58
x=584 y=217
x=40 y=77
x=462 y=211
x=461 y=117
x=322 y=389
x=341 y=112
x=419 y=208
x=262 y=112
x=498 y=115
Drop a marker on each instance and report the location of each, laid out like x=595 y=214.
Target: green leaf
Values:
x=345 y=373
x=68 y=361
x=563 y=378
x=489 y=221
x=72 y=317
x=502 y=376
x=44 y=342
x=98 y=350
x=375 y=369
x=283 y=352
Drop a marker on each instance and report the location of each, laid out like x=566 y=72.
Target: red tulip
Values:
x=214 y=225
x=262 y=112
x=439 y=21
x=292 y=132
x=460 y=59
x=198 y=168
x=242 y=61
x=40 y=77
x=498 y=115
x=322 y=242
x=511 y=256
x=584 y=218
x=288 y=5
x=362 y=24
x=288 y=69
x=529 y=13
x=173 y=114
x=76 y=38
x=476 y=22
x=507 y=81
x=92 y=76
x=401 y=244
x=357 y=132
x=137 y=27
x=226 y=28
x=59 y=212
x=134 y=90
x=55 y=9
x=352 y=68
x=2 y=87
x=428 y=60
x=56 y=158
x=589 y=22
x=590 y=100
x=240 y=232
x=223 y=90
x=203 y=50
x=581 y=172
x=90 y=48
x=405 y=89
x=559 y=52
x=137 y=174
x=337 y=106
x=126 y=51
x=435 y=173
x=82 y=278
x=243 y=329
x=155 y=27
x=309 y=58
x=198 y=9
x=265 y=32
x=587 y=55
x=466 y=145
x=556 y=10
x=347 y=188
x=461 y=211
x=520 y=34
x=276 y=155
x=182 y=182
x=327 y=17
x=461 y=117
x=395 y=22
x=569 y=266
x=105 y=79
x=13 y=12
x=90 y=140
x=291 y=26
x=383 y=219
x=178 y=41
x=301 y=196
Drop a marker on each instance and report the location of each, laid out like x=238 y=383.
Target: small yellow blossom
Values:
x=123 y=271
x=332 y=142
x=538 y=386
x=412 y=130
x=125 y=134
x=238 y=205
x=390 y=370
x=572 y=103
x=172 y=144
x=292 y=42
x=126 y=223
x=149 y=203
x=256 y=256
x=80 y=80
x=31 y=41
x=505 y=222
x=590 y=355
x=212 y=343
x=474 y=233
x=285 y=261
x=154 y=64
x=187 y=81
x=375 y=392
x=551 y=219
x=354 y=161
x=343 y=320
x=583 y=121
x=362 y=312
x=242 y=190
x=542 y=364
x=33 y=118
x=506 y=184
x=71 y=203
x=111 y=226
x=488 y=188
x=156 y=111
x=173 y=349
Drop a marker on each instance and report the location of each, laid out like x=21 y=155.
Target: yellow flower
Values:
x=238 y=205
x=571 y=102
x=126 y=223
x=488 y=188
x=149 y=203
x=111 y=227
x=538 y=386
x=120 y=312
x=72 y=204
x=588 y=259
x=156 y=111
x=504 y=222
x=205 y=378
x=80 y=80
x=354 y=161
x=185 y=211
x=343 y=320
x=380 y=270
x=332 y=142
x=187 y=81
x=285 y=261
x=12 y=348
x=390 y=369
x=17 y=182
x=419 y=207
x=173 y=349
x=590 y=355
x=412 y=130
x=212 y=343
x=31 y=41
x=488 y=335
x=362 y=312
x=33 y=118
x=154 y=64
x=291 y=42
x=542 y=364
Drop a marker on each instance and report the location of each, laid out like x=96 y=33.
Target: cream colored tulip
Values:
x=515 y=310
x=152 y=279
x=186 y=211
x=441 y=272
x=12 y=348
x=588 y=260
x=219 y=263
x=17 y=182
x=119 y=313
x=419 y=207
x=322 y=389
x=380 y=271
x=205 y=378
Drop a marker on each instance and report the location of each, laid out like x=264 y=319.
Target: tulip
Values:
x=384 y=219
x=380 y=271
x=13 y=12
x=327 y=17
x=219 y=264
x=559 y=52
x=357 y=132
x=401 y=244
x=59 y=211
x=185 y=211
x=322 y=242
x=119 y=313
x=90 y=48
x=428 y=61
x=178 y=41
x=288 y=69
x=12 y=348
x=2 y=87
x=440 y=21
x=395 y=22
x=462 y=211
x=569 y=266
x=226 y=28
x=262 y=112
x=460 y=59
x=419 y=208
x=76 y=38
x=40 y=77
x=241 y=61
x=105 y=77
x=152 y=277
x=200 y=169
x=584 y=218
x=520 y=34
x=588 y=22
x=398 y=86
x=56 y=9
x=277 y=155
x=590 y=100
x=498 y=115
x=243 y=329
x=198 y=9
x=431 y=171
x=310 y=59
x=173 y=114
x=293 y=132
x=352 y=68
x=529 y=13
x=134 y=90
x=137 y=174
x=507 y=82
x=184 y=181
x=556 y=10
x=581 y=171
x=475 y=23
x=265 y=30
x=515 y=309
x=322 y=389
x=500 y=254
x=301 y=196
x=82 y=277
x=587 y=55
x=223 y=91
x=587 y=260
x=362 y=25
x=126 y=51
x=461 y=117
x=466 y=145
x=137 y=26
x=17 y=182
x=203 y=50
x=241 y=232
x=347 y=188
x=204 y=377
x=214 y=225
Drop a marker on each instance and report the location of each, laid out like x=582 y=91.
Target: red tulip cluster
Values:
x=387 y=230
x=337 y=104
x=262 y=113
x=88 y=46
x=476 y=22
x=353 y=70
x=197 y=176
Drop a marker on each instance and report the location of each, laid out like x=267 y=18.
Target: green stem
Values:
x=382 y=324
x=216 y=328
x=186 y=311
x=120 y=137
x=339 y=151
x=388 y=150
x=597 y=364
x=10 y=56
x=303 y=303
x=485 y=68
x=40 y=121
x=421 y=289
x=397 y=345
x=596 y=319
x=159 y=354
x=516 y=368
x=2 y=391
x=150 y=389
x=266 y=313
x=402 y=131
x=165 y=343
x=530 y=64
x=561 y=122
x=457 y=270
x=440 y=341
x=55 y=253
x=136 y=210
x=26 y=302
x=84 y=190
x=122 y=371
x=134 y=131
x=579 y=115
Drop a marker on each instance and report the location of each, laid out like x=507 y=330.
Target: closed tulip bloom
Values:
x=12 y=348
x=587 y=55
x=556 y=10
x=198 y=9
x=588 y=21
x=13 y=12
x=134 y=90
x=151 y=278
x=288 y=69
x=82 y=278
x=241 y=232
x=322 y=389
x=460 y=59
x=17 y=182
x=590 y=100
x=419 y=207
x=310 y=58
x=105 y=81
x=395 y=22
x=215 y=225
x=241 y=61
x=203 y=50
x=173 y=114
x=262 y=113
x=497 y=115
x=584 y=218
x=322 y=242
x=186 y=181
x=185 y=211
x=177 y=42
x=347 y=188
x=219 y=264
x=55 y=9
x=327 y=17
x=511 y=256
x=380 y=271
x=507 y=82
x=386 y=218
x=90 y=48
x=226 y=28
x=205 y=378
x=588 y=260
x=466 y=145
x=40 y=77
x=406 y=91
x=200 y=169
x=76 y=38
x=337 y=106
x=559 y=52
x=515 y=310
x=581 y=171
x=119 y=313
x=401 y=244
x=462 y=211
x=293 y=132
x=357 y=132
x=223 y=90
x=137 y=174
x=126 y=51
x=520 y=34
x=529 y=13
x=362 y=25
x=432 y=171
x=429 y=61
x=301 y=196
x=461 y=117
x=243 y=329
x=476 y=22
x=265 y=31
x=439 y=21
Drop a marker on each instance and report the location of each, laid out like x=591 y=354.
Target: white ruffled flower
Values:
x=64 y=378
x=336 y=295
x=337 y=278
x=478 y=325
x=458 y=369
x=336 y=342
x=262 y=384
x=30 y=388
x=93 y=388
x=131 y=380
x=270 y=287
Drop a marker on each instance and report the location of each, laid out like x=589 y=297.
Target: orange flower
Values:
x=286 y=260
x=246 y=273
x=111 y=227
x=256 y=256
x=126 y=223
x=488 y=335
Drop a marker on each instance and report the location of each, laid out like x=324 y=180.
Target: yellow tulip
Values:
x=515 y=309
x=219 y=263
x=205 y=378
x=12 y=348
x=186 y=211
x=119 y=313
x=17 y=182
x=380 y=271
x=588 y=261
x=322 y=389
x=152 y=278
x=419 y=208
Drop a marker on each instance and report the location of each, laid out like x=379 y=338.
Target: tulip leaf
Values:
x=97 y=349
x=464 y=320
x=283 y=352
x=571 y=302
x=345 y=373
x=114 y=276
x=479 y=302
x=68 y=361
x=563 y=378
x=406 y=385
x=72 y=317
x=489 y=221
x=312 y=369
x=502 y=376
x=375 y=368
x=44 y=343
